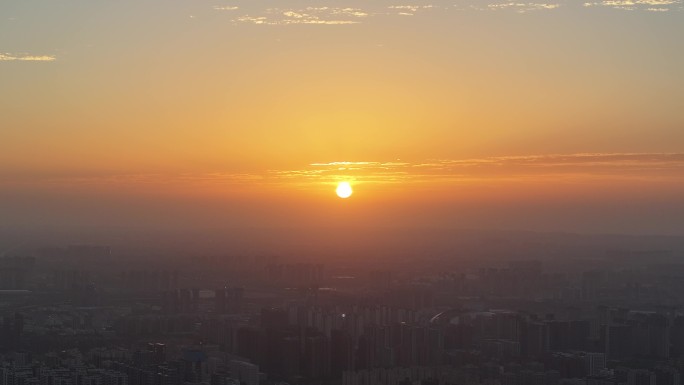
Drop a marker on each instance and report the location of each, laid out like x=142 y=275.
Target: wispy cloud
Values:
x=633 y=5
x=616 y=165
x=340 y=15
x=549 y=168
x=308 y=15
x=226 y=8
x=410 y=10
x=523 y=7
x=24 y=57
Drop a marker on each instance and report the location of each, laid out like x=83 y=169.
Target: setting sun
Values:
x=344 y=190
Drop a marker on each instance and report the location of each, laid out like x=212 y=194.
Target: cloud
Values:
x=343 y=164
x=592 y=165
x=633 y=5
x=412 y=8
x=523 y=7
x=409 y=10
x=340 y=15
x=548 y=168
x=308 y=15
x=23 y=57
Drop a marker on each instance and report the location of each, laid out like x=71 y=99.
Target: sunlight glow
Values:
x=344 y=190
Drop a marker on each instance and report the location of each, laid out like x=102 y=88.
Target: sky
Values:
x=186 y=114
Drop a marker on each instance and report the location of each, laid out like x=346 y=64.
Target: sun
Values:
x=344 y=190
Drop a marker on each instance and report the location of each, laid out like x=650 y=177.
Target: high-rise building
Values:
x=641 y=377
x=316 y=358
x=596 y=362
x=245 y=372
x=341 y=352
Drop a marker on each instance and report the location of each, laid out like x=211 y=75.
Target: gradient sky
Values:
x=567 y=115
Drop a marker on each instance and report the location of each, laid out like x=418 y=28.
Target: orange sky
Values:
x=545 y=116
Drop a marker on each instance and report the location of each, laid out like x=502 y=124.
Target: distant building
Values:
x=244 y=372
x=15 y=271
x=641 y=377
x=596 y=362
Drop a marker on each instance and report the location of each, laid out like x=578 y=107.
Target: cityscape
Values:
x=341 y=192
x=78 y=314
